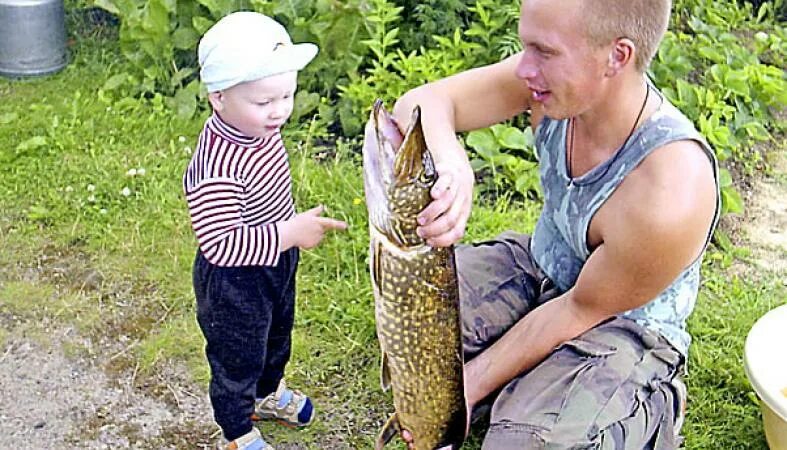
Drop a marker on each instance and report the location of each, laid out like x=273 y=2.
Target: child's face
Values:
x=257 y=108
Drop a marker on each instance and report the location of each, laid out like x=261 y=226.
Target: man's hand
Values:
x=443 y=222
x=307 y=229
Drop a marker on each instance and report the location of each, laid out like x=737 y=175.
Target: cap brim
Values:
x=287 y=58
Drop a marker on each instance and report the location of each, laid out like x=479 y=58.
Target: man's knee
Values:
x=520 y=436
x=505 y=436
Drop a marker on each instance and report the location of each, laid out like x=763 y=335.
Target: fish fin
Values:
x=390 y=429
x=385 y=373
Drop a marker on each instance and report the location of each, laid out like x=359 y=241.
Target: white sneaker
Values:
x=250 y=441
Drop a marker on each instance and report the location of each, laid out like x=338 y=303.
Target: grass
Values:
x=723 y=412
x=92 y=243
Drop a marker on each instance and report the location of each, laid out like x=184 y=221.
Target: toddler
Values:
x=238 y=190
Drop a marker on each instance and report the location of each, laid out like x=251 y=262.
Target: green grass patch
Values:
x=25 y=298
x=722 y=411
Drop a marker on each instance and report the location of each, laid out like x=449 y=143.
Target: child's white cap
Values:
x=246 y=46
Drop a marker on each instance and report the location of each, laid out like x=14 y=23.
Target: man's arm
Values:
x=652 y=228
x=469 y=100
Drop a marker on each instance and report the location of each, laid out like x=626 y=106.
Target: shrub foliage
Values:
x=722 y=63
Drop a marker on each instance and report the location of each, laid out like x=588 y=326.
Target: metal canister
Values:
x=32 y=37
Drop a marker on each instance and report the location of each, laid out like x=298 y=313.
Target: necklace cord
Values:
x=572 y=124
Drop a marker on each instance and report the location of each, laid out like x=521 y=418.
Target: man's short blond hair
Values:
x=642 y=21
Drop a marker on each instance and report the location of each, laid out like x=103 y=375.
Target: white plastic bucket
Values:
x=765 y=363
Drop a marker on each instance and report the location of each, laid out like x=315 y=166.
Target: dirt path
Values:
x=52 y=399
x=764 y=227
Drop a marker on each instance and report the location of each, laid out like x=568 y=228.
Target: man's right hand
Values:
x=443 y=221
x=466 y=101
x=307 y=229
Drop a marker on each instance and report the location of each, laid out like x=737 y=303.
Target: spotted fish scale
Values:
x=415 y=290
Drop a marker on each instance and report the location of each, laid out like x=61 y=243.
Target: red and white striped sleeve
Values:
x=215 y=206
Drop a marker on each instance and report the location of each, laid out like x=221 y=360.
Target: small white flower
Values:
x=761 y=36
x=91 y=188
x=69 y=189
x=102 y=211
x=181 y=139
x=131 y=172
x=141 y=171
x=125 y=192
x=91 y=198
x=187 y=149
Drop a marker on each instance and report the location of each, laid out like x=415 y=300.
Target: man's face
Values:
x=564 y=72
x=258 y=108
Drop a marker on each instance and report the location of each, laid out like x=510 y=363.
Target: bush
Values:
x=721 y=63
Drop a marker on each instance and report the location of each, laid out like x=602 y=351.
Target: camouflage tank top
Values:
x=559 y=243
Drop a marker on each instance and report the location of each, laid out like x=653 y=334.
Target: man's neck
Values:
x=609 y=122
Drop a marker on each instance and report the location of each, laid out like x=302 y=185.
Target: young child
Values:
x=239 y=196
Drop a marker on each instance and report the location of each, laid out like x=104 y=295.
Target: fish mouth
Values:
x=398 y=175
x=378 y=161
x=411 y=159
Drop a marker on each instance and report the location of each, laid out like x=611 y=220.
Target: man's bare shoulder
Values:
x=673 y=182
x=653 y=227
x=669 y=198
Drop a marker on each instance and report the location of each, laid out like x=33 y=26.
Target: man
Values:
x=577 y=337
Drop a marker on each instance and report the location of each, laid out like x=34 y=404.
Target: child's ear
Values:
x=216 y=100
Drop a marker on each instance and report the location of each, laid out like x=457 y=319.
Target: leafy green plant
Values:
x=731 y=200
x=495 y=27
x=502 y=151
x=721 y=62
x=424 y=19
x=393 y=69
x=160 y=37
x=715 y=65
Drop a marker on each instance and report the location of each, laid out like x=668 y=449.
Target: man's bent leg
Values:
x=498 y=284
x=610 y=388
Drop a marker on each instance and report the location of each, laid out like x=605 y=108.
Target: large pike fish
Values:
x=415 y=289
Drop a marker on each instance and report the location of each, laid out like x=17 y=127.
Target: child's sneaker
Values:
x=250 y=441
x=286 y=406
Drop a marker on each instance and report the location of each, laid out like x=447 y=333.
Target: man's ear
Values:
x=216 y=100
x=620 y=56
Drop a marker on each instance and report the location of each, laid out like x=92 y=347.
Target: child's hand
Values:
x=307 y=229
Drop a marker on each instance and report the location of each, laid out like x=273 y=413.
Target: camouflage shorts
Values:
x=616 y=386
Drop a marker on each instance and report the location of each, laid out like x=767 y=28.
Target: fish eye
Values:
x=426 y=177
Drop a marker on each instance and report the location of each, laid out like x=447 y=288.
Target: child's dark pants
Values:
x=246 y=315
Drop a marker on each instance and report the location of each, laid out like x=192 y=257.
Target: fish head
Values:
x=398 y=175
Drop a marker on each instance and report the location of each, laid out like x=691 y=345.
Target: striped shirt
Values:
x=238 y=188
